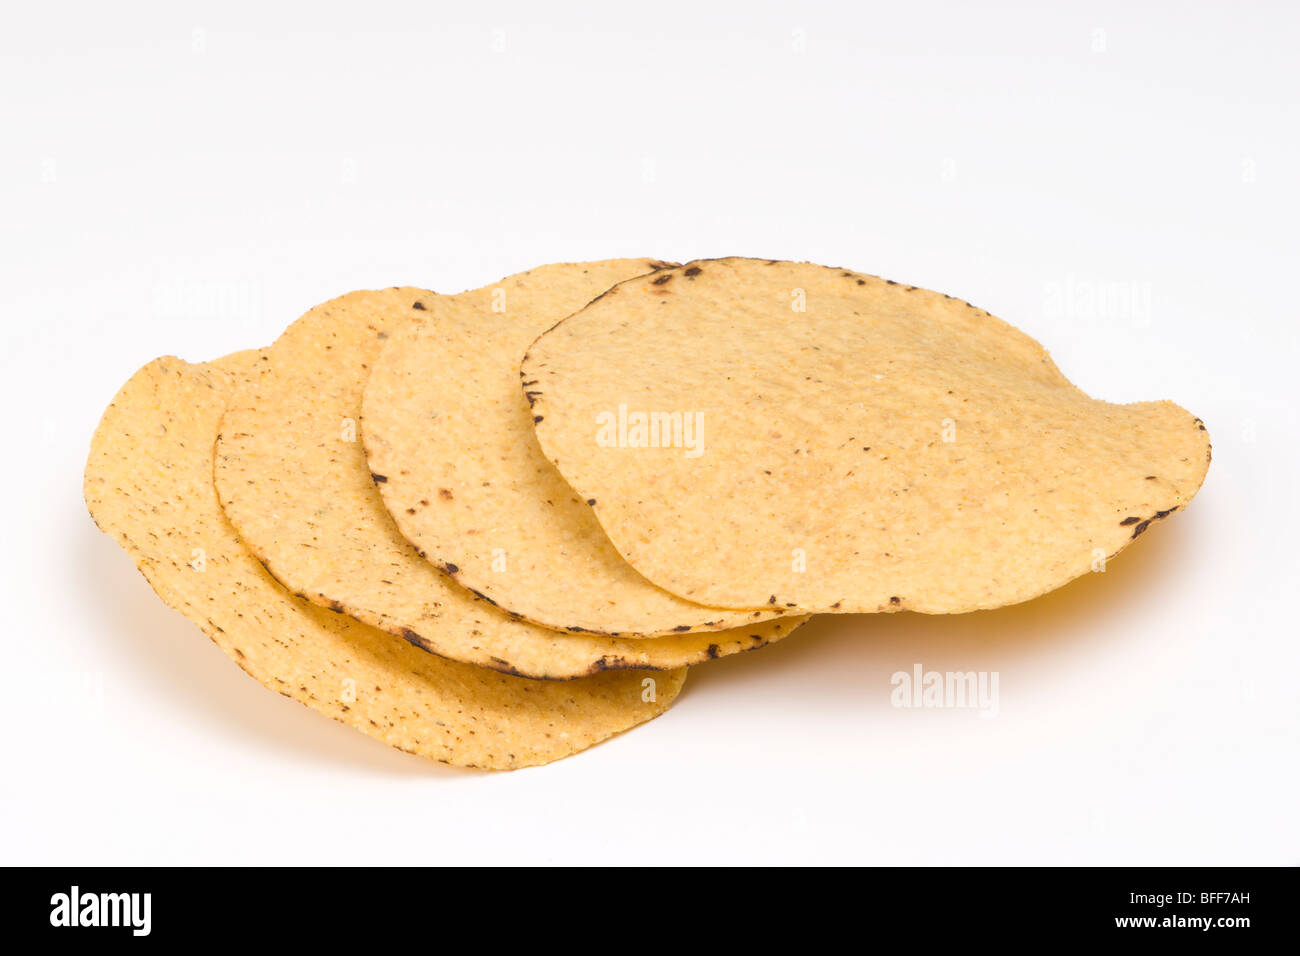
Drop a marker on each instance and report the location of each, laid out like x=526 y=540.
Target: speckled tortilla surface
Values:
x=148 y=483
x=451 y=438
x=292 y=477
x=867 y=446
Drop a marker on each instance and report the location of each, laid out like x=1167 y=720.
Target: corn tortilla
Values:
x=868 y=446
x=292 y=477
x=148 y=483
x=447 y=431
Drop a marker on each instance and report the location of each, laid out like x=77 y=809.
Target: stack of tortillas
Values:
x=495 y=528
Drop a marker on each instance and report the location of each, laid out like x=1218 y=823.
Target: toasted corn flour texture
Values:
x=293 y=479
x=450 y=438
x=148 y=483
x=863 y=445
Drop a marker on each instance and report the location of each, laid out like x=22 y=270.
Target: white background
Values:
x=1120 y=182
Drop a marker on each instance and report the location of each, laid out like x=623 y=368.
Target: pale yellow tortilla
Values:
x=867 y=446
x=292 y=477
x=450 y=436
x=149 y=484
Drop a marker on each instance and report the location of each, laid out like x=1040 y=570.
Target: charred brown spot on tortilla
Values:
x=451 y=568
x=592 y=502
x=424 y=502
x=662 y=279
x=772 y=599
x=418 y=305
x=714 y=651
x=538 y=418
x=895 y=601
x=682 y=627
x=692 y=272
x=1143 y=525
x=1130 y=520
x=483 y=597
x=378 y=479
x=445 y=494
x=411 y=637
x=410 y=511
